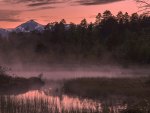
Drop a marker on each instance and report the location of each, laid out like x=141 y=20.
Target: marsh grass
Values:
x=12 y=104
x=117 y=95
x=12 y=84
x=134 y=92
x=46 y=104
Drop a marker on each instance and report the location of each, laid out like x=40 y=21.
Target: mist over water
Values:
x=53 y=97
x=76 y=71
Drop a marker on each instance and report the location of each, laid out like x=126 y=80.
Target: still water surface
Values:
x=68 y=103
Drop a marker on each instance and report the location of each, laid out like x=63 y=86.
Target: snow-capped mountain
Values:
x=29 y=26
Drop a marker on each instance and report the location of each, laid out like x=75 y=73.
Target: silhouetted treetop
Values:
x=144 y=6
x=121 y=38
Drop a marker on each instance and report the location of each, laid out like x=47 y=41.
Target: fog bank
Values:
x=76 y=71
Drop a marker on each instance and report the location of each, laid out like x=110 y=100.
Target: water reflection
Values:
x=63 y=102
x=69 y=104
x=37 y=101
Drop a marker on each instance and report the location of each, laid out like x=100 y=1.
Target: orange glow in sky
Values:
x=15 y=12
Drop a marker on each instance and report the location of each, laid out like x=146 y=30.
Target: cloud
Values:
x=9 y=15
x=95 y=2
x=41 y=8
x=35 y=3
x=43 y=3
x=40 y=3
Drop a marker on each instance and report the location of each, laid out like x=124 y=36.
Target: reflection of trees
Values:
x=144 y=6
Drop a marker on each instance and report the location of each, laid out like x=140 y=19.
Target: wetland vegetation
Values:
x=80 y=95
x=14 y=85
x=112 y=39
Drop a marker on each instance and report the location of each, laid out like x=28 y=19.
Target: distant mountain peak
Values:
x=31 y=21
x=28 y=26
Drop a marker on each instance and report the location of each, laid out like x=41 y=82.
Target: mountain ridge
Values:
x=27 y=26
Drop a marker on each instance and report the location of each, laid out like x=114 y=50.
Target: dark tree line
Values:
x=122 y=38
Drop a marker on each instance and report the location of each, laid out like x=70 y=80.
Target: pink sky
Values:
x=15 y=12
